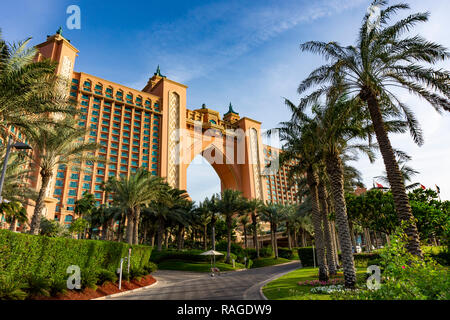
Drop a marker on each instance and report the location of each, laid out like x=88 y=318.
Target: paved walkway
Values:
x=181 y=285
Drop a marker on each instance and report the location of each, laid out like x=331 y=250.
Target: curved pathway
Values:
x=234 y=285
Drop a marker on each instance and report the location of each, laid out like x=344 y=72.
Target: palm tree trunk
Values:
x=255 y=234
x=137 y=217
x=336 y=175
x=395 y=177
x=245 y=236
x=205 y=236
x=12 y=226
x=130 y=225
x=180 y=237
x=166 y=239
x=229 y=224
x=289 y=235
x=275 y=240
x=160 y=234
x=36 y=220
x=335 y=243
x=312 y=180
x=352 y=235
x=326 y=229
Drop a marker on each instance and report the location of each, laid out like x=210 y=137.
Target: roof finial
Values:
x=158 y=72
x=203 y=106
x=59 y=31
x=230 y=109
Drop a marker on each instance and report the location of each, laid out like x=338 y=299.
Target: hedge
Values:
x=263 y=252
x=285 y=253
x=24 y=256
x=305 y=255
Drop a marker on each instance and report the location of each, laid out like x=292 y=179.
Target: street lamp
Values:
x=18 y=146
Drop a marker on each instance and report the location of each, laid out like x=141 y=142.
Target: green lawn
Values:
x=286 y=287
x=196 y=266
x=265 y=262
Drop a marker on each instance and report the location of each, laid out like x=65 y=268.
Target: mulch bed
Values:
x=103 y=290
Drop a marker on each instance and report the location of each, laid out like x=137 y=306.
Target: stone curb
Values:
x=125 y=292
x=272 y=279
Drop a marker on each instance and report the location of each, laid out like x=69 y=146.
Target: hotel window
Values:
x=75 y=81
x=116 y=125
x=123 y=168
x=84 y=103
x=114 y=145
x=125 y=148
x=154 y=159
x=71 y=201
x=135 y=142
x=96 y=106
x=114 y=152
x=117 y=119
x=101 y=172
x=86 y=185
x=155 y=134
x=154 y=166
x=58 y=191
x=125 y=140
x=103 y=143
x=107 y=109
x=94 y=119
x=134 y=156
x=134 y=163
x=135 y=149
x=154 y=153
x=74 y=176
x=146 y=126
x=124 y=154
x=104 y=136
x=83 y=109
x=146 y=120
x=81 y=123
x=115 y=138
x=111 y=173
x=145 y=145
x=118 y=112
x=145 y=151
x=73 y=184
x=59 y=183
x=145 y=164
x=93 y=133
x=126 y=134
x=99 y=180
x=136 y=130
x=72 y=192
x=145 y=158
x=112 y=166
x=101 y=165
x=106 y=123
x=123 y=161
x=127 y=121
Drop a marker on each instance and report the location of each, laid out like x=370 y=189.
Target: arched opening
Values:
x=202 y=180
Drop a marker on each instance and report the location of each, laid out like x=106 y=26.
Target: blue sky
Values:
x=244 y=52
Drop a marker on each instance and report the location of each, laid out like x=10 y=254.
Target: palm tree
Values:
x=381 y=60
x=61 y=144
x=300 y=147
x=244 y=221
x=13 y=212
x=230 y=202
x=167 y=207
x=254 y=206
x=274 y=214
x=291 y=218
x=131 y=193
x=29 y=90
x=203 y=217
x=85 y=207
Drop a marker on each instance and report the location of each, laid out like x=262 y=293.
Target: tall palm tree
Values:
x=300 y=147
x=203 y=217
x=85 y=207
x=382 y=59
x=61 y=144
x=132 y=193
x=254 y=207
x=274 y=214
x=166 y=208
x=230 y=202
x=29 y=90
x=244 y=221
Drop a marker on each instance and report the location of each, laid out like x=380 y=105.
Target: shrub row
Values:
x=305 y=254
x=286 y=253
x=29 y=260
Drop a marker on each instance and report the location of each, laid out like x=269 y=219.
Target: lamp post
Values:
x=17 y=145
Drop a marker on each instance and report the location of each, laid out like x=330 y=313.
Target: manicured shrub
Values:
x=37 y=286
x=442 y=257
x=150 y=267
x=47 y=258
x=10 y=289
x=235 y=248
x=285 y=253
x=105 y=275
x=305 y=255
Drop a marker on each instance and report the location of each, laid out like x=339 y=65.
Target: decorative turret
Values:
x=231 y=116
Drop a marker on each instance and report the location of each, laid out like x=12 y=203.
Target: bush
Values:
x=10 y=289
x=48 y=258
x=235 y=248
x=150 y=267
x=265 y=252
x=185 y=255
x=305 y=255
x=37 y=286
x=362 y=259
x=442 y=257
x=105 y=275
x=285 y=253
